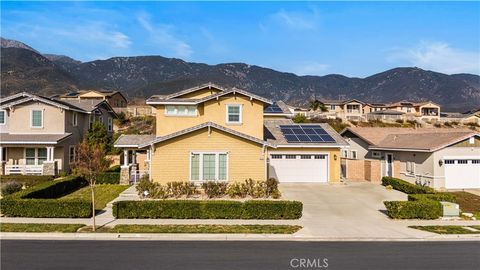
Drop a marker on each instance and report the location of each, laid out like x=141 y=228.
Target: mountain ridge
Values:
x=147 y=75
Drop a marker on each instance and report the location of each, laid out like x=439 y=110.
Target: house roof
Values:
x=172 y=100
x=23 y=97
x=339 y=102
x=7 y=138
x=280 y=104
x=80 y=92
x=201 y=126
x=190 y=90
x=274 y=135
x=421 y=139
x=388 y=112
x=133 y=140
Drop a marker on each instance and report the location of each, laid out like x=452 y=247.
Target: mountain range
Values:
x=25 y=69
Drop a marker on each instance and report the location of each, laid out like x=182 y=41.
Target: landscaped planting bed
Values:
x=14 y=183
x=206 y=209
x=423 y=202
x=42 y=201
x=262 y=229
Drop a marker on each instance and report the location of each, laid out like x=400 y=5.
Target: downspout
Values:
x=265 y=157
x=150 y=163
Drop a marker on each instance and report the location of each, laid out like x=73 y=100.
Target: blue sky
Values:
x=315 y=38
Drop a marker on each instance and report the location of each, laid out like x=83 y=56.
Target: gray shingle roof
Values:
x=7 y=138
x=133 y=140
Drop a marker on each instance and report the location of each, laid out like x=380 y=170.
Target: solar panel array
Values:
x=273 y=109
x=305 y=133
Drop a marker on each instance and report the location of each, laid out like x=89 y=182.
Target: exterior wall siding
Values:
x=171 y=159
x=20 y=119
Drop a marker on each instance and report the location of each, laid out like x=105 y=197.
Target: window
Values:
x=234 y=114
x=92 y=119
x=181 y=110
x=410 y=167
x=354 y=154
x=345 y=153
x=290 y=156
x=71 y=154
x=476 y=161
x=276 y=156
x=110 y=124
x=320 y=156
x=35 y=156
x=37 y=119
x=409 y=109
x=208 y=167
x=462 y=161
x=4 y=154
x=100 y=119
x=74 y=119
x=3 y=117
x=305 y=157
x=376 y=154
x=332 y=107
x=449 y=161
x=471 y=140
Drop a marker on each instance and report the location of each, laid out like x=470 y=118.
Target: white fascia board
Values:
x=172 y=103
x=22 y=142
x=311 y=146
x=401 y=149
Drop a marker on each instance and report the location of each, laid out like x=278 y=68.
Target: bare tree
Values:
x=90 y=161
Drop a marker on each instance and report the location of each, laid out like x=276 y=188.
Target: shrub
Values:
x=40 y=200
x=108 y=178
x=237 y=190
x=115 y=168
x=177 y=189
x=441 y=197
x=195 y=209
x=26 y=180
x=422 y=209
x=214 y=189
x=272 y=188
x=11 y=187
x=405 y=186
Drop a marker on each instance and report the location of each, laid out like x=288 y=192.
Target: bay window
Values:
x=209 y=166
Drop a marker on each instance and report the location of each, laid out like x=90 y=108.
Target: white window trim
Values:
x=4 y=117
x=471 y=140
x=74 y=154
x=31 y=118
x=356 y=154
x=345 y=153
x=240 y=114
x=200 y=166
x=110 y=124
x=74 y=119
x=175 y=111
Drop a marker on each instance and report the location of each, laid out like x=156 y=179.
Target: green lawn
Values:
x=40 y=227
x=468 y=202
x=258 y=229
x=452 y=229
x=103 y=194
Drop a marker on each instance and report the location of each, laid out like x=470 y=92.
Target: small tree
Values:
x=90 y=161
x=98 y=135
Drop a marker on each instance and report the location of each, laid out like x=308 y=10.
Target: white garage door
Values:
x=462 y=172
x=299 y=167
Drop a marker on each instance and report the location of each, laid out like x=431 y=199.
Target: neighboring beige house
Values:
x=210 y=133
x=426 y=110
x=38 y=134
x=349 y=109
x=440 y=158
x=139 y=107
x=115 y=98
x=470 y=117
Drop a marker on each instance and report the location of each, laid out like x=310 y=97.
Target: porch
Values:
x=30 y=160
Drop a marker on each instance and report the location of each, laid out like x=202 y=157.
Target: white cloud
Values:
x=298 y=20
x=310 y=68
x=438 y=56
x=162 y=34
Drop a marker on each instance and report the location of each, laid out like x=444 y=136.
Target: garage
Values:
x=299 y=168
x=462 y=172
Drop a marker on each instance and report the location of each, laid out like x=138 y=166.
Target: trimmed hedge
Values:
x=26 y=180
x=40 y=201
x=441 y=197
x=422 y=209
x=196 y=209
x=109 y=178
x=115 y=168
x=405 y=186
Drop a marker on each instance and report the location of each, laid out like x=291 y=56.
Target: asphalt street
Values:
x=211 y=255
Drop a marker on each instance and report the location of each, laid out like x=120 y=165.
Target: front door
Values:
x=389 y=167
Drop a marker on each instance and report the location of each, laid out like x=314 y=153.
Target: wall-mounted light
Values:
x=440 y=163
x=335 y=157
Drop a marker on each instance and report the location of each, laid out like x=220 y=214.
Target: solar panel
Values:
x=273 y=109
x=306 y=134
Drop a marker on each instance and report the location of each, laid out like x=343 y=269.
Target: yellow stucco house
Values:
x=210 y=133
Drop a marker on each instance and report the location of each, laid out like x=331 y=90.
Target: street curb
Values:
x=221 y=237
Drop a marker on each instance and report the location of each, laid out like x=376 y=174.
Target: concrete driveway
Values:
x=350 y=210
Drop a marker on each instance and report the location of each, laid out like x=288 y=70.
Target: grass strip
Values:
x=103 y=194
x=254 y=229
x=447 y=229
x=39 y=227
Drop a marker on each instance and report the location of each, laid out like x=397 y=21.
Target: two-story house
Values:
x=208 y=133
x=426 y=110
x=38 y=134
x=115 y=98
x=348 y=109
